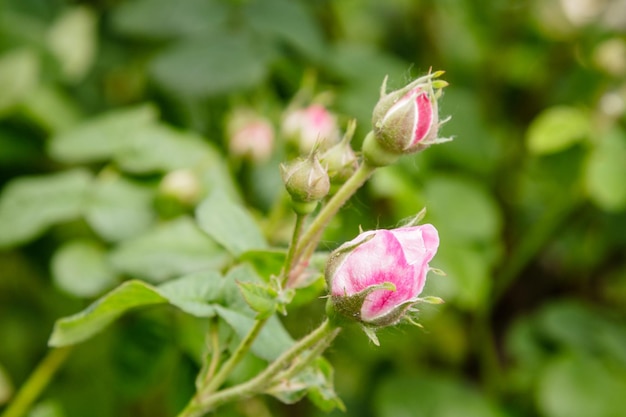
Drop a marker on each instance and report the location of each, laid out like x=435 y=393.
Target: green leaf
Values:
x=606 y=170
x=51 y=109
x=556 y=129
x=163 y=19
x=266 y=262
x=322 y=393
x=468 y=275
x=195 y=293
x=260 y=297
x=218 y=64
x=29 y=205
x=271 y=342
x=97 y=316
x=160 y=148
x=231 y=294
x=229 y=224
x=118 y=208
x=480 y=218
x=99 y=138
x=580 y=386
x=289 y=21
x=430 y=395
x=72 y=40
x=80 y=268
x=316 y=381
x=19 y=75
x=169 y=250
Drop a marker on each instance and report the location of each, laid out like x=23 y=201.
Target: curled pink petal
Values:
x=398 y=256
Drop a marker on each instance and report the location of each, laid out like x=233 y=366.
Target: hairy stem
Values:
x=235 y=358
x=295 y=238
x=37 y=382
x=263 y=380
x=215 y=352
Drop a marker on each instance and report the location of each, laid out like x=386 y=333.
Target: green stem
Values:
x=315 y=351
x=313 y=233
x=263 y=380
x=215 y=350
x=37 y=381
x=235 y=358
x=194 y=408
x=297 y=231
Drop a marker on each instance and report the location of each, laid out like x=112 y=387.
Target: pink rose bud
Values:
x=250 y=137
x=379 y=275
x=310 y=127
x=407 y=120
x=306 y=180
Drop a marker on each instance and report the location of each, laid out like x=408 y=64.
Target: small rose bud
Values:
x=306 y=179
x=407 y=120
x=250 y=136
x=377 y=277
x=311 y=127
x=340 y=160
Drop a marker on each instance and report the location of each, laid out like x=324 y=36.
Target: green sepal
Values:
x=371 y=334
x=431 y=300
x=438 y=271
x=350 y=306
x=262 y=298
x=375 y=155
x=415 y=220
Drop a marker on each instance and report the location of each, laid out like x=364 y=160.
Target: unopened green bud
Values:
x=306 y=179
x=340 y=160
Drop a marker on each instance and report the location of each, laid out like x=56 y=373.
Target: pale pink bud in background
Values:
x=311 y=126
x=361 y=273
x=250 y=137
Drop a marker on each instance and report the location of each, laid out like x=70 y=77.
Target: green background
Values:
x=100 y=100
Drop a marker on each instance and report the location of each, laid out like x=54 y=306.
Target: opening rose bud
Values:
x=407 y=120
x=377 y=276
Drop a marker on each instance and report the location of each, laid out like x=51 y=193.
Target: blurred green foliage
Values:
x=101 y=101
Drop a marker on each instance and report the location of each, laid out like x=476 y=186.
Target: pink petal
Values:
x=424 y=117
x=377 y=261
x=419 y=243
x=366 y=264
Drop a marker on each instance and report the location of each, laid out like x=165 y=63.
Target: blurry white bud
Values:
x=181 y=184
